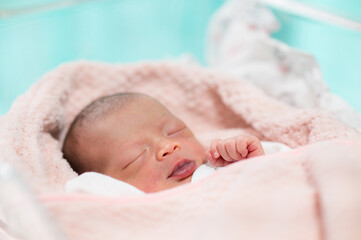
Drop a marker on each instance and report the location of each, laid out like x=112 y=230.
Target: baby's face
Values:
x=146 y=146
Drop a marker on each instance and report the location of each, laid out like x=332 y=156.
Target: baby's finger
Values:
x=211 y=159
x=221 y=148
x=241 y=145
x=217 y=162
x=232 y=150
x=213 y=148
x=255 y=148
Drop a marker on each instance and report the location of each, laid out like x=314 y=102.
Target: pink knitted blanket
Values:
x=310 y=193
x=256 y=199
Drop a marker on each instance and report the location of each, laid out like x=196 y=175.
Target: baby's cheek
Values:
x=149 y=181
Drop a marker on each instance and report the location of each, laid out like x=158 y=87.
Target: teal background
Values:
x=132 y=30
x=108 y=30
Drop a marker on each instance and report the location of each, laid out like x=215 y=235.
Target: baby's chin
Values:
x=182 y=181
x=169 y=185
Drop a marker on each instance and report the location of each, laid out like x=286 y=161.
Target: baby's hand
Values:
x=227 y=151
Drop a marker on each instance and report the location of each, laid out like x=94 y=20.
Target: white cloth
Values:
x=203 y=171
x=239 y=43
x=96 y=183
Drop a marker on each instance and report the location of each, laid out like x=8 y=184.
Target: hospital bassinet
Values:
x=36 y=38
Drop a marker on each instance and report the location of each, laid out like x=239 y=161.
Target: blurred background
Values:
x=38 y=35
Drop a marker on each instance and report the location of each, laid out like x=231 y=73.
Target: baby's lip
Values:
x=182 y=169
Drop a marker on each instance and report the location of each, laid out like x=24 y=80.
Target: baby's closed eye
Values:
x=135 y=158
x=174 y=128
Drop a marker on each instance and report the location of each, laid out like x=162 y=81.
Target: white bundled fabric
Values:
x=239 y=43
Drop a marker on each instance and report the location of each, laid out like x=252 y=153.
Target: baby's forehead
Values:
x=139 y=111
x=143 y=105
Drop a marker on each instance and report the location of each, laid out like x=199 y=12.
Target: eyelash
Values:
x=135 y=159
x=176 y=131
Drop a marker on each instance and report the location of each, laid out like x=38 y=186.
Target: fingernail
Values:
x=215 y=154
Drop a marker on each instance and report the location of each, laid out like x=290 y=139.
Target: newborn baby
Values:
x=134 y=138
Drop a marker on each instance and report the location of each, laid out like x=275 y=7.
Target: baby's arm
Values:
x=226 y=151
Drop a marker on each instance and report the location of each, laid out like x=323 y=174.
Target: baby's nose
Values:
x=167 y=149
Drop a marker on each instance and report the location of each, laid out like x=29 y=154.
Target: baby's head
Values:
x=134 y=138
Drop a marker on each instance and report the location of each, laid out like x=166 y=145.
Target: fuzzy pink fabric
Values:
x=310 y=193
x=31 y=133
x=268 y=196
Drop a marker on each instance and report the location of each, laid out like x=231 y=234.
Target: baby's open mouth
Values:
x=183 y=168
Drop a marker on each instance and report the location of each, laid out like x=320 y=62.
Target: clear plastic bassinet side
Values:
x=21 y=215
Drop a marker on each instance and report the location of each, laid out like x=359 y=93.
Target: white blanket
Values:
x=240 y=44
